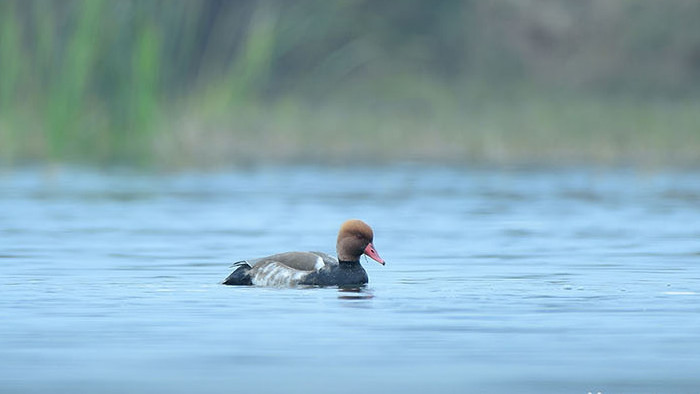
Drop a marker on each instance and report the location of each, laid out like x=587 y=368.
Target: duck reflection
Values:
x=354 y=293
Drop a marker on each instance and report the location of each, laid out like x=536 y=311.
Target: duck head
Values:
x=355 y=239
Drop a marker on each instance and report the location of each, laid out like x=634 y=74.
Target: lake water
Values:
x=576 y=280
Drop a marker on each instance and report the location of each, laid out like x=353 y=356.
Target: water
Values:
x=496 y=281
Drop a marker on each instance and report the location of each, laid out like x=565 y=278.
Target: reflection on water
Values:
x=497 y=281
x=354 y=293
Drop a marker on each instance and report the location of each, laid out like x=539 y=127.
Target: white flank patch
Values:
x=319 y=263
x=277 y=275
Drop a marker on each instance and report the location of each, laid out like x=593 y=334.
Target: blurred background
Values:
x=180 y=84
x=529 y=167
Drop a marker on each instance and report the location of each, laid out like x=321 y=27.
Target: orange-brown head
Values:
x=355 y=239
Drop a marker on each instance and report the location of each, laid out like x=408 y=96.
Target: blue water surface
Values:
x=538 y=280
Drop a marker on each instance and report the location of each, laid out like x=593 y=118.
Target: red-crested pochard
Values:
x=313 y=268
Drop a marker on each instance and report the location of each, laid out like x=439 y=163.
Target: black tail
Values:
x=239 y=276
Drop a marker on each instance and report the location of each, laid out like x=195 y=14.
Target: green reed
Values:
x=180 y=83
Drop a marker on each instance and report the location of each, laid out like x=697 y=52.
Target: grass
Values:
x=536 y=131
x=201 y=132
x=81 y=88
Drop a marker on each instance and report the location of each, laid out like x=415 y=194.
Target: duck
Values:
x=290 y=269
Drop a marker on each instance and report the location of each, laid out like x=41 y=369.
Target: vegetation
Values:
x=179 y=83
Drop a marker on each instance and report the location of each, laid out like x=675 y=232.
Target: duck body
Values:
x=312 y=268
x=298 y=269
